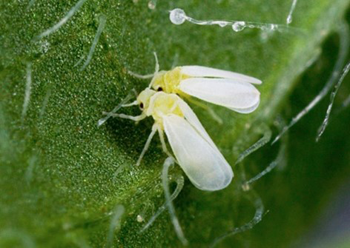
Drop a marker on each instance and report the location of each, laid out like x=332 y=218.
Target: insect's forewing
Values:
x=202 y=71
x=247 y=110
x=239 y=96
x=196 y=153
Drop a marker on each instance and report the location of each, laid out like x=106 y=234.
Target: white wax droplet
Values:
x=177 y=16
x=151 y=5
x=139 y=218
x=238 y=26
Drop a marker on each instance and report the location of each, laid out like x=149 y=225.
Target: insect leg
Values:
x=130 y=104
x=148 y=142
x=162 y=141
x=123 y=116
x=109 y=114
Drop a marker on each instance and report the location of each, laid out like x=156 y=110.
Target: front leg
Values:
x=119 y=106
x=148 y=142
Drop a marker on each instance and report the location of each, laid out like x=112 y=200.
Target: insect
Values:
x=194 y=150
x=224 y=88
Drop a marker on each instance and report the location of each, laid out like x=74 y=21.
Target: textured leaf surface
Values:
x=62 y=176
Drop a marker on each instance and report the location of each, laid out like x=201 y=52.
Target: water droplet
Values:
x=177 y=16
x=289 y=19
x=238 y=26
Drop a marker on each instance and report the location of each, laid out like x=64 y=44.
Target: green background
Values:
x=62 y=176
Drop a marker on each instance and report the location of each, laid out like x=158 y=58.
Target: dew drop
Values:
x=289 y=19
x=238 y=26
x=177 y=16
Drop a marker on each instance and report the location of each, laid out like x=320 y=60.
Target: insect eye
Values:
x=160 y=89
x=141 y=105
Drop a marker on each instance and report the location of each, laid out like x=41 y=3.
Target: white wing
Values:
x=203 y=164
x=247 y=110
x=238 y=96
x=202 y=71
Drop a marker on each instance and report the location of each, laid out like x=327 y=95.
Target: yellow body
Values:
x=169 y=81
x=159 y=104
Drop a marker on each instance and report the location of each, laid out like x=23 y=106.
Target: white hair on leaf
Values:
x=94 y=43
x=54 y=28
x=179 y=186
x=322 y=128
x=28 y=90
x=292 y=8
x=344 y=36
x=259 y=213
x=114 y=224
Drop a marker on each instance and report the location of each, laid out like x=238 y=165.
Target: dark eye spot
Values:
x=160 y=89
x=141 y=105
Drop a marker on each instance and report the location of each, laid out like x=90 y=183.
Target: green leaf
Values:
x=62 y=177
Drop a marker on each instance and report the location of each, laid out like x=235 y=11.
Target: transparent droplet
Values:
x=151 y=4
x=289 y=19
x=238 y=26
x=177 y=16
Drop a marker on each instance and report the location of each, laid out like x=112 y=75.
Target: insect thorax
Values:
x=168 y=81
x=163 y=104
